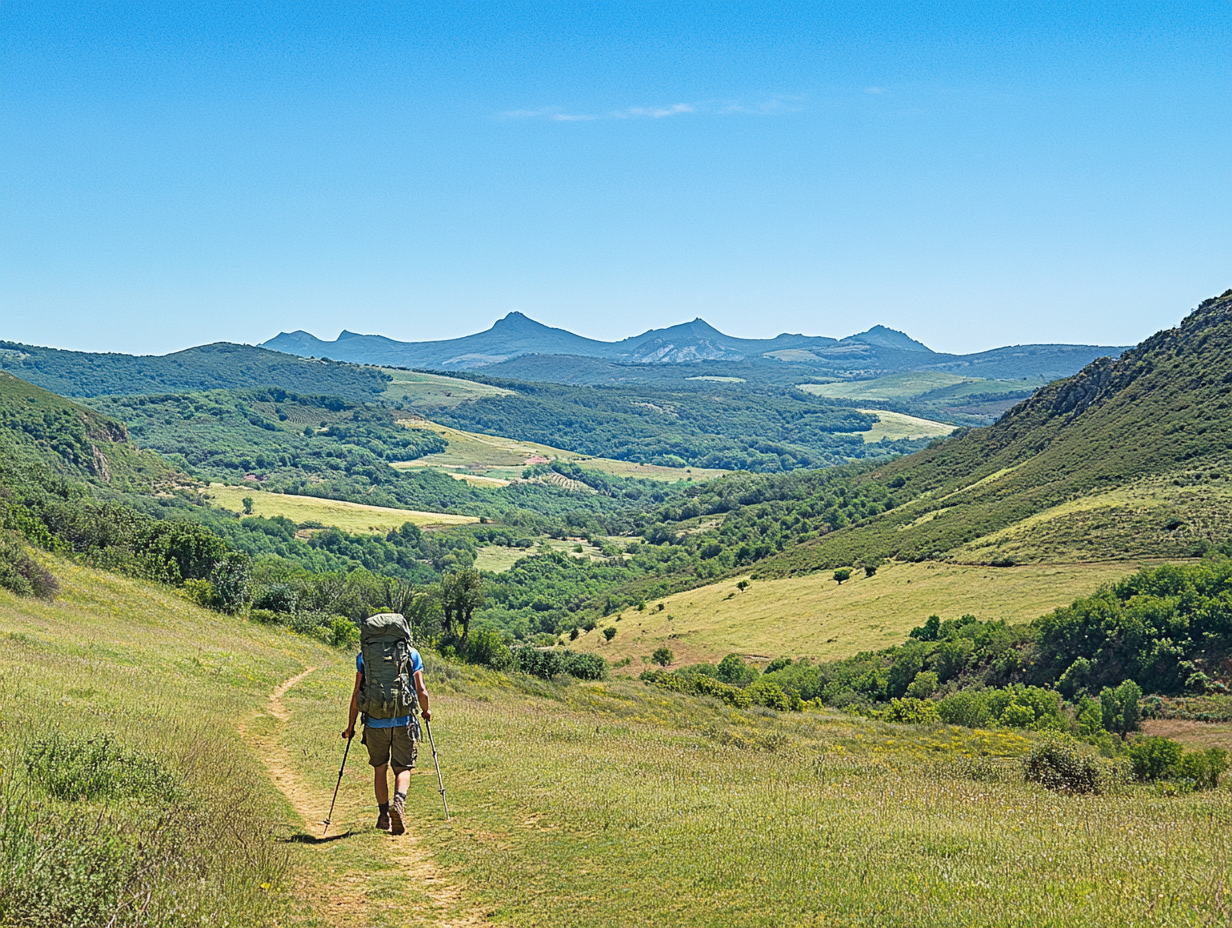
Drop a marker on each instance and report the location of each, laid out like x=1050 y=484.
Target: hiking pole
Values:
x=336 y=785
x=436 y=761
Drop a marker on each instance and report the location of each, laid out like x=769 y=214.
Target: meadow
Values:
x=472 y=455
x=574 y=804
x=897 y=425
x=609 y=803
x=817 y=617
x=350 y=517
x=410 y=389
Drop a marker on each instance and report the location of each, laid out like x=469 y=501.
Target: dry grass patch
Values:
x=816 y=617
x=350 y=517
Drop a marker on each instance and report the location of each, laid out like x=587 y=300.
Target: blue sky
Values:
x=974 y=174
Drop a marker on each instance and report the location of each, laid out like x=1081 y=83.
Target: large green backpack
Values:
x=388 y=692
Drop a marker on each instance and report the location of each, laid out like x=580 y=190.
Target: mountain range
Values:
x=877 y=350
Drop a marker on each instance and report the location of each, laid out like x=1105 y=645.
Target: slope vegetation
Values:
x=1153 y=424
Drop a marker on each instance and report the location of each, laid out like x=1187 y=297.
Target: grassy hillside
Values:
x=1154 y=422
x=934 y=394
x=350 y=517
x=818 y=618
x=157 y=804
x=207 y=367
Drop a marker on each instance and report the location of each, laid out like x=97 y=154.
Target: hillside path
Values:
x=343 y=902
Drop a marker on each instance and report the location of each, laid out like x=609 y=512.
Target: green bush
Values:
x=487 y=646
x=966 y=707
x=923 y=686
x=663 y=656
x=1164 y=759
x=733 y=671
x=1059 y=763
x=911 y=711
x=550 y=662
x=1203 y=768
x=770 y=695
x=21 y=573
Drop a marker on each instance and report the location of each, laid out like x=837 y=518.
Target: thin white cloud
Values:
x=769 y=106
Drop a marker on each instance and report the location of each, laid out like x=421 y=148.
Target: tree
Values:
x=610 y=632
x=663 y=656
x=461 y=595
x=733 y=670
x=843 y=573
x=1120 y=707
x=573 y=633
x=743 y=585
x=247 y=502
x=230 y=579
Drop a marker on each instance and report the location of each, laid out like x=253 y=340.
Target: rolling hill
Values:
x=1129 y=457
x=208 y=367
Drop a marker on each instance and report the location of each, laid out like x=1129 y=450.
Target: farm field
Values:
x=498 y=558
x=416 y=389
x=350 y=517
x=911 y=385
x=471 y=454
x=816 y=617
x=896 y=425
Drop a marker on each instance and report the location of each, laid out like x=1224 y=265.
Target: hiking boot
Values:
x=397 y=816
x=382 y=821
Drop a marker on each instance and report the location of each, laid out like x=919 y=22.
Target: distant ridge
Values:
x=877 y=350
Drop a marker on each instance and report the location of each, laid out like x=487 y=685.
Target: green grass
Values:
x=891 y=387
x=350 y=517
x=168 y=681
x=602 y=804
x=412 y=389
x=818 y=618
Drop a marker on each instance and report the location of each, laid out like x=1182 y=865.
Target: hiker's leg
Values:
x=402 y=782
x=380 y=783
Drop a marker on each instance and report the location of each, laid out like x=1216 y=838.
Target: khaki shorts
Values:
x=386 y=744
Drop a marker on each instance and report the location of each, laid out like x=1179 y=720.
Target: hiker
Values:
x=383 y=693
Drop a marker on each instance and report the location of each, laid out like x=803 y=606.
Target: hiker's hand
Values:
x=427 y=714
x=349 y=733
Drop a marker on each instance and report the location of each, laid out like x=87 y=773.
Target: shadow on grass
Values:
x=305 y=838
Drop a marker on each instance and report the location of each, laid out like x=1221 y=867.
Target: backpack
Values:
x=387 y=691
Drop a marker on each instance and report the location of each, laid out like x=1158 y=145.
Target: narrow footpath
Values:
x=344 y=900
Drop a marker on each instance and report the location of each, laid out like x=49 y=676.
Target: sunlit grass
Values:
x=350 y=517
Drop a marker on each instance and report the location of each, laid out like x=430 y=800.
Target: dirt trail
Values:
x=344 y=905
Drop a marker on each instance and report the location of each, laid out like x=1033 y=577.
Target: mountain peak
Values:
x=880 y=336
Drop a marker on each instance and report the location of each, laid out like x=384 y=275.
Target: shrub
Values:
x=609 y=633
x=966 y=707
x=585 y=666
x=277 y=597
x=732 y=695
x=778 y=664
x=1120 y=707
x=663 y=656
x=734 y=671
x=923 y=686
x=230 y=577
x=1155 y=758
x=1059 y=764
x=487 y=646
x=573 y=633
x=770 y=695
x=842 y=574
x=21 y=573
x=550 y=662
x=200 y=592
x=911 y=711
x=1203 y=768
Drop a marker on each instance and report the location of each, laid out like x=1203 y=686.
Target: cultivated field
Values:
x=350 y=517
x=415 y=389
x=817 y=617
x=894 y=425
x=911 y=385
x=473 y=454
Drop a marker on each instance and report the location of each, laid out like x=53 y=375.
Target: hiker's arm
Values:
x=349 y=733
x=422 y=692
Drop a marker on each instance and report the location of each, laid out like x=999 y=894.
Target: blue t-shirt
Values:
x=402 y=720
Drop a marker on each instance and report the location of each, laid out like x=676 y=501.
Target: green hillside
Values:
x=40 y=428
x=1127 y=458
x=207 y=367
